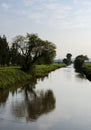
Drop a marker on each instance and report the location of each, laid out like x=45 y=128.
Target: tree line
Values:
x=26 y=51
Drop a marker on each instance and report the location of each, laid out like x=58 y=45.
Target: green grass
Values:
x=86 y=69
x=43 y=70
x=87 y=65
x=13 y=76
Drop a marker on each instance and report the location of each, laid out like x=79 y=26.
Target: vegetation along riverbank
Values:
x=87 y=70
x=14 y=75
x=34 y=55
x=82 y=66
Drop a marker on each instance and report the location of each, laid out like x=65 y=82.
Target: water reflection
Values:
x=31 y=103
x=3 y=97
x=80 y=75
x=88 y=76
x=28 y=89
x=34 y=104
x=26 y=102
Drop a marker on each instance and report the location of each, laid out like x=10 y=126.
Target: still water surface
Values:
x=61 y=101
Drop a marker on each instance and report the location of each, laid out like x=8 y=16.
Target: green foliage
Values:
x=69 y=55
x=34 y=50
x=67 y=60
x=4 y=51
x=11 y=76
x=15 y=56
x=88 y=65
x=86 y=69
x=79 y=62
x=26 y=51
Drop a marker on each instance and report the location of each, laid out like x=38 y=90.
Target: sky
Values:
x=67 y=23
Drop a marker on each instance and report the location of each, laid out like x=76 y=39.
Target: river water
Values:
x=61 y=101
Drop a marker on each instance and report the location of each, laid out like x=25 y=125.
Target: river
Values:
x=61 y=101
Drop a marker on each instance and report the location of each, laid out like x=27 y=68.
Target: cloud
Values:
x=5 y=6
x=28 y=2
x=58 y=14
x=31 y=2
x=46 y=11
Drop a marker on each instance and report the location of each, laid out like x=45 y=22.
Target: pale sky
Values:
x=67 y=23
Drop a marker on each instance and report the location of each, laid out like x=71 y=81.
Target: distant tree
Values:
x=79 y=61
x=67 y=60
x=34 y=50
x=4 y=51
x=69 y=55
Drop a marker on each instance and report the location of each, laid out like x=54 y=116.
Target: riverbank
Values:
x=43 y=70
x=86 y=69
x=12 y=76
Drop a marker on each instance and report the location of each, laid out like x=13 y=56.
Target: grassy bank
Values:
x=43 y=70
x=13 y=76
x=88 y=65
x=87 y=70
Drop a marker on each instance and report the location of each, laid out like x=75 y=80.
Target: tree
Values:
x=15 y=57
x=33 y=49
x=4 y=51
x=79 y=61
x=67 y=60
x=69 y=55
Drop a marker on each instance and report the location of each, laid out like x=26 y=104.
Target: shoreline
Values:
x=11 y=76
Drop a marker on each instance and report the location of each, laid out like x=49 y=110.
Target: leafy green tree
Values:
x=4 y=51
x=79 y=61
x=15 y=57
x=34 y=50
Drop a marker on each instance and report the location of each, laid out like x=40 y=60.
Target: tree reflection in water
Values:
x=3 y=96
x=34 y=104
x=80 y=75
